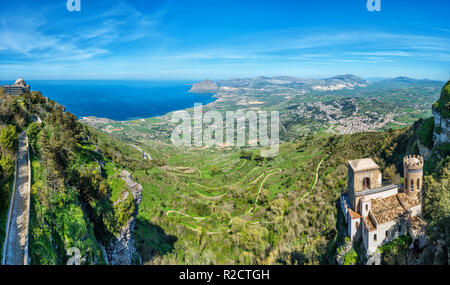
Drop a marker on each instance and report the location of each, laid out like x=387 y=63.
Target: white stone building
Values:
x=379 y=213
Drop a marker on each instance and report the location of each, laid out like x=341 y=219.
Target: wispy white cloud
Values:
x=121 y=40
x=36 y=37
x=382 y=53
x=352 y=46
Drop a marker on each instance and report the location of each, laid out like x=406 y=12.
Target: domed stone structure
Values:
x=19 y=87
x=20 y=82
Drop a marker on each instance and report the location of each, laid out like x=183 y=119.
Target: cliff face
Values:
x=441 y=133
x=205 y=86
x=441 y=114
x=121 y=251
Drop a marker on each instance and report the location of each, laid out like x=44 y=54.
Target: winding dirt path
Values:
x=16 y=241
x=225 y=186
x=260 y=187
x=316 y=177
x=210 y=197
x=145 y=155
x=184 y=214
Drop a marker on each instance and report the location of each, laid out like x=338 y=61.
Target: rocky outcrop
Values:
x=441 y=133
x=424 y=151
x=121 y=251
x=343 y=250
x=417 y=229
x=441 y=114
x=205 y=86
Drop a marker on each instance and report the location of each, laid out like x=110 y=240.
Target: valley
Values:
x=343 y=104
x=204 y=205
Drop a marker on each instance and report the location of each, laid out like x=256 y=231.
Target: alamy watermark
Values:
x=73 y=5
x=373 y=5
x=75 y=256
x=191 y=131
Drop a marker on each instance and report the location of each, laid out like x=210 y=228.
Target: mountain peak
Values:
x=205 y=86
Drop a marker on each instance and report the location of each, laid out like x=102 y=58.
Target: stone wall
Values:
x=121 y=251
x=356 y=183
x=385 y=233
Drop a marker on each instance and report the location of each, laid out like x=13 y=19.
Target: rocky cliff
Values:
x=441 y=132
x=205 y=86
x=441 y=114
x=121 y=251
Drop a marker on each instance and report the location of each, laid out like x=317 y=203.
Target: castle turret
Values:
x=413 y=173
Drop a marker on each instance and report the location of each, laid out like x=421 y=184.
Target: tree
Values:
x=390 y=172
x=9 y=138
x=32 y=133
x=7 y=165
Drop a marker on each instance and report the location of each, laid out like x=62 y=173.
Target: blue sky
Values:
x=196 y=39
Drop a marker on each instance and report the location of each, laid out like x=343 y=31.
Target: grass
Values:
x=257 y=194
x=237 y=187
x=116 y=184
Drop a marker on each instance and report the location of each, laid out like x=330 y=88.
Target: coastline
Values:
x=103 y=120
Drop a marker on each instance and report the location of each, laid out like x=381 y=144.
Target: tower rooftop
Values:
x=363 y=164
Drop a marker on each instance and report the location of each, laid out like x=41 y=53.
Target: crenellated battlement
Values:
x=413 y=162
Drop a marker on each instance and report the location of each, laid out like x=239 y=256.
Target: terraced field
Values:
x=202 y=192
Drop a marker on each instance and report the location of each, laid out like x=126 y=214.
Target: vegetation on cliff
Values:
x=442 y=106
x=76 y=199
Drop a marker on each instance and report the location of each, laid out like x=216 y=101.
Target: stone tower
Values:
x=363 y=175
x=413 y=173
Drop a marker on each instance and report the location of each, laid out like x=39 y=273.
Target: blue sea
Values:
x=120 y=99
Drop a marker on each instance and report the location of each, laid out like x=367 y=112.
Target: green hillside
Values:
x=72 y=198
x=228 y=207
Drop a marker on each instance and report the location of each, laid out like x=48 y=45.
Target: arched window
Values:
x=356 y=225
x=418 y=183
x=386 y=234
x=375 y=237
x=366 y=183
x=412 y=184
x=367 y=207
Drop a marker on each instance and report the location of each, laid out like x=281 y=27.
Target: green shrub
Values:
x=351 y=258
x=32 y=133
x=442 y=105
x=9 y=138
x=6 y=165
x=425 y=132
x=444 y=149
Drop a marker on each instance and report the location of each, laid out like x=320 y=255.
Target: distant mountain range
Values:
x=338 y=82
x=403 y=81
x=346 y=81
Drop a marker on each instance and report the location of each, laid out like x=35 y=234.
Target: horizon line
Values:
x=368 y=78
